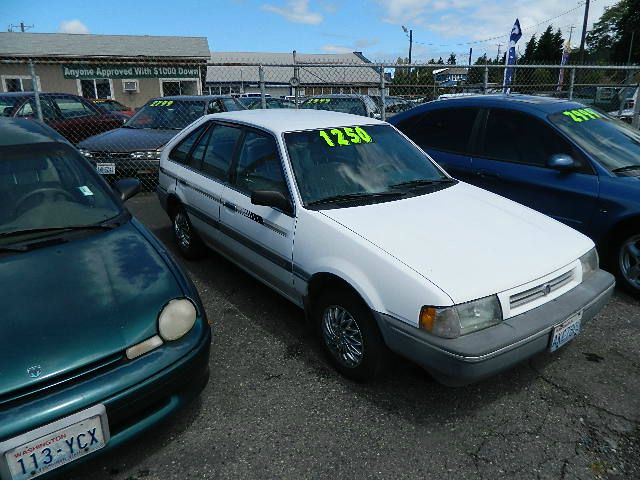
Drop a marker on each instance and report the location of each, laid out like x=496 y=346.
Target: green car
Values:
x=102 y=334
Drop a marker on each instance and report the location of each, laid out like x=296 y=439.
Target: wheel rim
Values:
x=630 y=260
x=182 y=230
x=342 y=336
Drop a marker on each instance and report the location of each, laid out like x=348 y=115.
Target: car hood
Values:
x=128 y=140
x=469 y=242
x=73 y=305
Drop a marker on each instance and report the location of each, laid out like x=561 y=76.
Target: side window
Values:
x=259 y=165
x=446 y=129
x=72 y=107
x=215 y=107
x=219 y=153
x=520 y=138
x=29 y=109
x=180 y=152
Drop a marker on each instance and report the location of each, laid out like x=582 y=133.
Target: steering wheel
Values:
x=42 y=191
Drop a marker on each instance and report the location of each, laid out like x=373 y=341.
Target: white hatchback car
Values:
x=347 y=218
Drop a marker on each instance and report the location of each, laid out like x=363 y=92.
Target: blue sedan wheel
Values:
x=629 y=261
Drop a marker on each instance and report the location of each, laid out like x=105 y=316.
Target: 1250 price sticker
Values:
x=345 y=136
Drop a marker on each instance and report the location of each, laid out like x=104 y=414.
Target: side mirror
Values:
x=127 y=188
x=562 y=162
x=272 y=198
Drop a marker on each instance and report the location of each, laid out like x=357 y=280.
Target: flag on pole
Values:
x=516 y=34
x=566 y=51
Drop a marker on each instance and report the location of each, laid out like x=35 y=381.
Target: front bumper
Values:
x=473 y=357
x=137 y=394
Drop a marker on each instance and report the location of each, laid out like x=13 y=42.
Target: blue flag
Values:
x=516 y=34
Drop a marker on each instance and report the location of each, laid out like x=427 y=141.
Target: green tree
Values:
x=549 y=47
x=452 y=59
x=610 y=38
x=529 y=51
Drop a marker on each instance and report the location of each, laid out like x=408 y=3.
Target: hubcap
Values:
x=630 y=260
x=342 y=336
x=182 y=230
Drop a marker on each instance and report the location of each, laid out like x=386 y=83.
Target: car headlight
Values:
x=85 y=153
x=176 y=319
x=590 y=262
x=451 y=322
x=150 y=155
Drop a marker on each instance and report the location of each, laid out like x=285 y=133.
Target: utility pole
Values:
x=409 y=32
x=498 y=55
x=22 y=26
x=630 y=48
x=584 y=30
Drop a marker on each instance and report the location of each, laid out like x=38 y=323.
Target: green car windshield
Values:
x=359 y=161
x=49 y=185
x=613 y=143
x=167 y=114
x=354 y=106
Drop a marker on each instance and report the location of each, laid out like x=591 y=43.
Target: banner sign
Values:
x=566 y=51
x=89 y=71
x=516 y=34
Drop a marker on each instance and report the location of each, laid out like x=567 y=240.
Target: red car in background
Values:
x=114 y=106
x=72 y=116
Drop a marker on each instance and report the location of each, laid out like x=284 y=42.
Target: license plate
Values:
x=565 y=332
x=106 y=168
x=52 y=446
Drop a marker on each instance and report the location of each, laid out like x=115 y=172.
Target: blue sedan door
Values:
x=511 y=161
x=445 y=134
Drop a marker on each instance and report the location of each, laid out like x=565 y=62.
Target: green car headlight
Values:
x=176 y=319
x=590 y=263
x=461 y=319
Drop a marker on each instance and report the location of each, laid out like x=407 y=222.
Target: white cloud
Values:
x=357 y=45
x=72 y=26
x=296 y=11
x=336 y=49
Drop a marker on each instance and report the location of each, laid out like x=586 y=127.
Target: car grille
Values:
x=111 y=156
x=59 y=382
x=542 y=290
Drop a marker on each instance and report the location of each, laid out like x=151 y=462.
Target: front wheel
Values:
x=628 y=262
x=189 y=244
x=349 y=335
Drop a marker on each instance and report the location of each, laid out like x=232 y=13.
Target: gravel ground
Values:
x=274 y=409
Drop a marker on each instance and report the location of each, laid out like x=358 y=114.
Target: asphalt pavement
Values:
x=275 y=409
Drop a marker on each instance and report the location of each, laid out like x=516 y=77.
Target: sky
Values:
x=373 y=27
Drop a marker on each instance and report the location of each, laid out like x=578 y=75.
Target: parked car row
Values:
x=344 y=215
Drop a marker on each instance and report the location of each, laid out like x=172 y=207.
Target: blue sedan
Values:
x=562 y=158
x=102 y=333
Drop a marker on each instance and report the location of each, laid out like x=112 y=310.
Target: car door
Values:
x=445 y=134
x=203 y=160
x=513 y=151
x=259 y=237
x=75 y=122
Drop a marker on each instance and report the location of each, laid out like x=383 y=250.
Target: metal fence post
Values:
x=485 y=80
x=572 y=81
x=34 y=82
x=635 y=122
x=263 y=98
x=383 y=96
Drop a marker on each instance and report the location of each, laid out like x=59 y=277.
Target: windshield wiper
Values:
x=100 y=226
x=626 y=169
x=423 y=182
x=355 y=196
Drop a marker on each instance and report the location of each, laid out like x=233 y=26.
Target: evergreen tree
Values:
x=545 y=51
x=529 y=51
x=610 y=38
x=452 y=59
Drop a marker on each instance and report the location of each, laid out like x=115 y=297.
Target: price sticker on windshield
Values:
x=161 y=103
x=319 y=100
x=345 y=136
x=579 y=115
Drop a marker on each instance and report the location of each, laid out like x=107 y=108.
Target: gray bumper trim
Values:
x=484 y=353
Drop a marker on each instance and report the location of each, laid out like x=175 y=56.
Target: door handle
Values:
x=230 y=206
x=486 y=174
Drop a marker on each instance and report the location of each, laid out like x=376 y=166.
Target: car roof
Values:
x=203 y=98
x=21 y=131
x=290 y=120
x=339 y=95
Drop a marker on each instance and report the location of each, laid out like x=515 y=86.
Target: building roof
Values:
x=284 y=120
x=18 y=44
x=323 y=74
x=452 y=71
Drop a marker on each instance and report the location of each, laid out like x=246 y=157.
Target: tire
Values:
x=343 y=321
x=626 y=261
x=185 y=236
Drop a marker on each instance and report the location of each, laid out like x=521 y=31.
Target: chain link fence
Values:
x=120 y=115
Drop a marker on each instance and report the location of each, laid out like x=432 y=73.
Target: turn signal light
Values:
x=427 y=317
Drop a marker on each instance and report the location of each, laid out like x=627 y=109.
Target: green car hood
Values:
x=70 y=305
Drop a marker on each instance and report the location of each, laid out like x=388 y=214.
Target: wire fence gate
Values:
x=121 y=114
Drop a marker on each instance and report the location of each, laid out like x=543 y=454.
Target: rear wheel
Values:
x=349 y=335
x=628 y=262
x=189 y=244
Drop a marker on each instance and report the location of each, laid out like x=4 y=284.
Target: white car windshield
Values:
x=360 y=162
